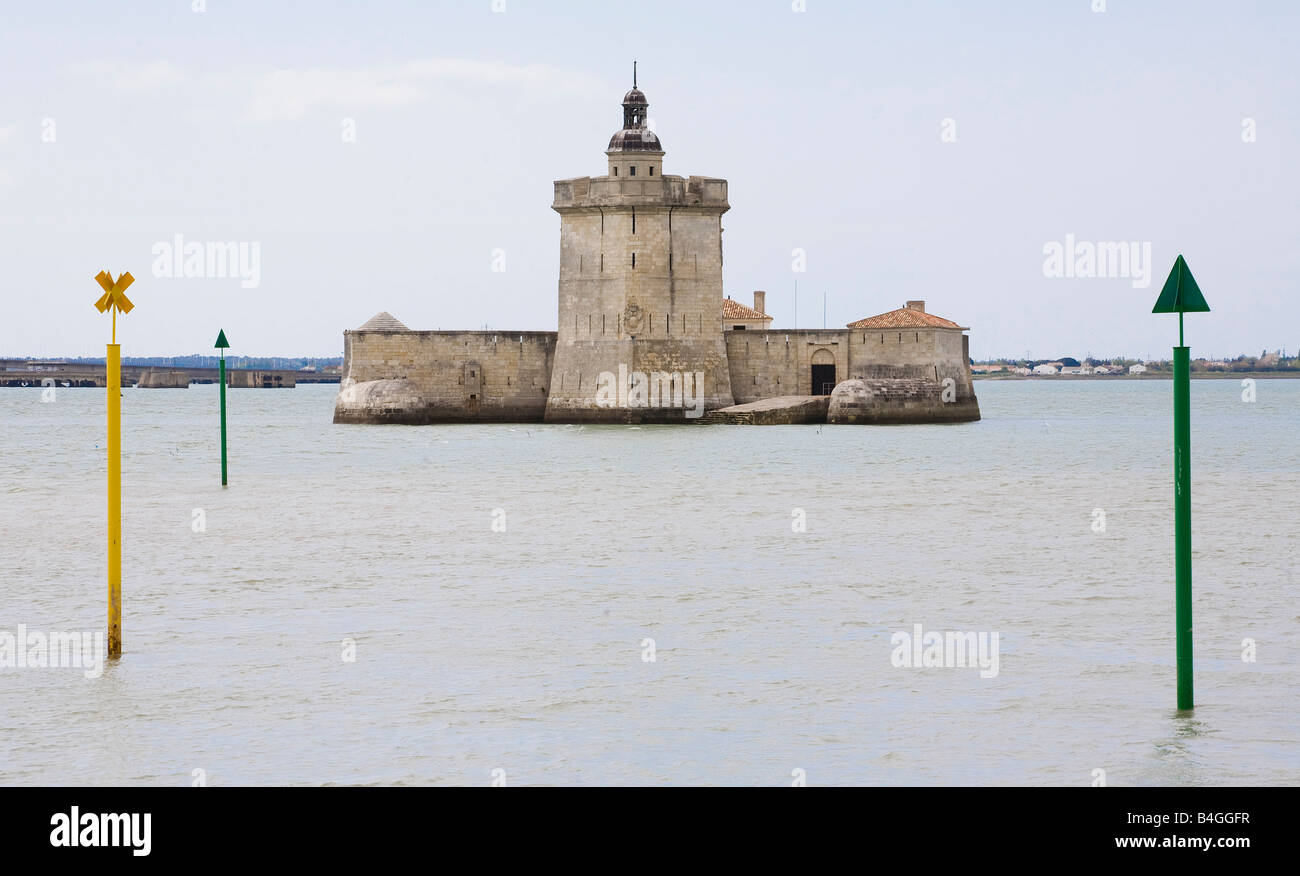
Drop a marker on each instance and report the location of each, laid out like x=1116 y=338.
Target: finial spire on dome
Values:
x=634 y=73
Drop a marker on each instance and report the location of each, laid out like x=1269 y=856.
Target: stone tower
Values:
x=640 y=292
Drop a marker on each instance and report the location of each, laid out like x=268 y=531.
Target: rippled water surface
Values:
x=522 y=650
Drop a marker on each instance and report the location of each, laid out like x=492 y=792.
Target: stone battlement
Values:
x=667 y=191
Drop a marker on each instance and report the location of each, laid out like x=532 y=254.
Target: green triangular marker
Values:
x=223 y=343
x=1181 y=294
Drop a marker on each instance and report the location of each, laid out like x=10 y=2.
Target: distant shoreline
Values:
x=1157 y=375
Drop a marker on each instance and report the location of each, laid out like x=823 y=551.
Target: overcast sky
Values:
x=380 y=154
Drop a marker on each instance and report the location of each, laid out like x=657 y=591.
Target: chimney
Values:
x=916 y=305
x=760 y=301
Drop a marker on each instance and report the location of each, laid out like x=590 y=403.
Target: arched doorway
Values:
x=823 y=372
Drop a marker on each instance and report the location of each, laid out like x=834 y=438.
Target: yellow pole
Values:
x=114 y=299
x=114 y=375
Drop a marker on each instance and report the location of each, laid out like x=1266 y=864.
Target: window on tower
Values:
x=631 y=171
x=616 y=170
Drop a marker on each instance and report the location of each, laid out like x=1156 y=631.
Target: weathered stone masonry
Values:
x=395 y=376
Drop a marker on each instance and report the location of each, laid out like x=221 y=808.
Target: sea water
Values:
x=529 y=604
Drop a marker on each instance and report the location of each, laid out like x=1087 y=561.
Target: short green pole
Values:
x=221 y=345
x=1183 y=523
x=1181 y=295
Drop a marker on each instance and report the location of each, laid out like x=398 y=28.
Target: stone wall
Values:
x=499 y=376
x=156 y=378
x=905 y=369
x=767 y=364
x=444 y=377
x=239 y=378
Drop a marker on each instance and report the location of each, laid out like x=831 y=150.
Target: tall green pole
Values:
x=221 y=345
x=1183 y=522
x=1181 y=295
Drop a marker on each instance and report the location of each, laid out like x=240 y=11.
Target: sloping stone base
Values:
x=780 y=411
x=884 y=401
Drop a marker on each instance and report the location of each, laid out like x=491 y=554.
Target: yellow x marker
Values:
x=114 y=296
x=114 y=291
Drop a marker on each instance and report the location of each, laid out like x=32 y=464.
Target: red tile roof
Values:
x=735 y=310
x=904 y=317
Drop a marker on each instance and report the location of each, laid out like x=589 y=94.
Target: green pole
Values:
x=223 y=418
x=1183 y=523
x=222 y=344
x=1181 y=295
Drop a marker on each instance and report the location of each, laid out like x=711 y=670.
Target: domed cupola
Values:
x=635 y=150
x=635 y=97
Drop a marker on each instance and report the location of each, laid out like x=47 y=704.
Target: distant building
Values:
x=738 y=317
x=1045 y=368
x=1136 y=369
x=1101 y=369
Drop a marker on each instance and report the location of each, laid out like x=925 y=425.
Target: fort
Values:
x=640 y=294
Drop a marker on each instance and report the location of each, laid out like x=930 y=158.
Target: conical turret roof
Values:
x=383 y=322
